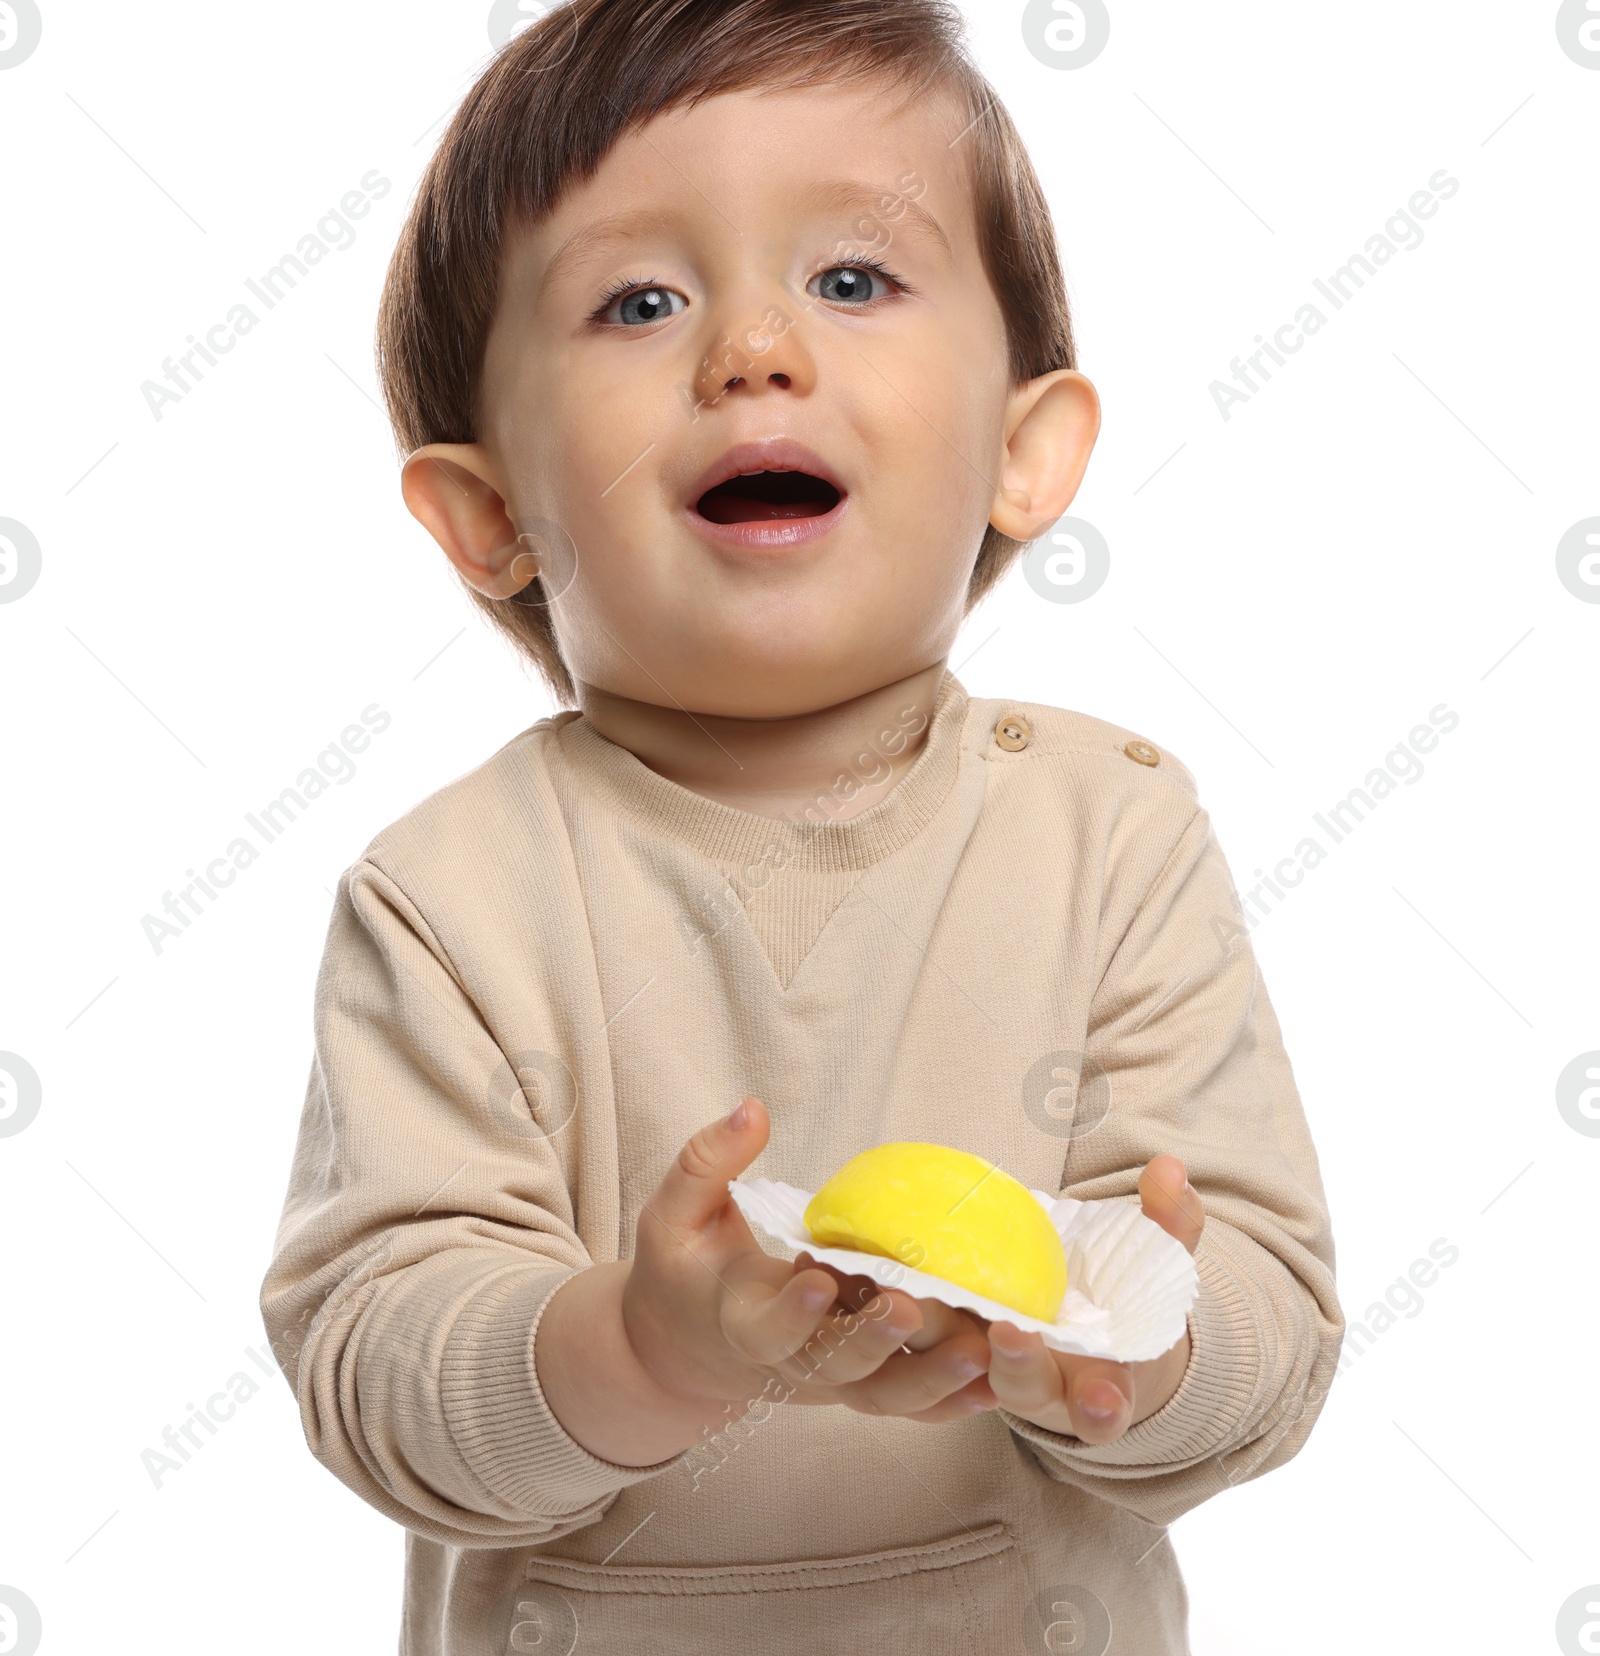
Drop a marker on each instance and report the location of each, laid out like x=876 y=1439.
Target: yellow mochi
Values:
x=949 y=1213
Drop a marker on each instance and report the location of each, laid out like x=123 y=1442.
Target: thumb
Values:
x=695 y=1189
x=1166 y=1196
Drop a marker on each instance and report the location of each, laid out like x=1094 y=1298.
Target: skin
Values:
x=750 y=675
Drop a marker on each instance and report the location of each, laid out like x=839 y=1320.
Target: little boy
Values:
x=728 y=343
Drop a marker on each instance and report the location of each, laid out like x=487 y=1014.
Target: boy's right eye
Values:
x=633 y=305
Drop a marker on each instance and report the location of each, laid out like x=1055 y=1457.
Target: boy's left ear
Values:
x=1050 y=429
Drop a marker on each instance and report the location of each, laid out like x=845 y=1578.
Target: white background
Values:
x=1291 y=590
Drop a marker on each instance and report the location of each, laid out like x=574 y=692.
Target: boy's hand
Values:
x=713 y=1318
x=1090 y=1397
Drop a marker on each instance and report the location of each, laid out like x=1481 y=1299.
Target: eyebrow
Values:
x=851 y=196
x=589 y=241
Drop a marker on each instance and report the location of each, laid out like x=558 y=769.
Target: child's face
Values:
x=740 y=260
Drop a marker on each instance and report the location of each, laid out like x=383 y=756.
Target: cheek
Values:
x=948 y=406
x=941 y=463
x=574 y=443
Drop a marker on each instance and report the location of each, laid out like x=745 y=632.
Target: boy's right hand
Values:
x=713 y=1318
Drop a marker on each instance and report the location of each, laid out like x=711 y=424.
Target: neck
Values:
x=853 y=752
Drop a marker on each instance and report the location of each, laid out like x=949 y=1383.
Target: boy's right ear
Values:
x=453 y=490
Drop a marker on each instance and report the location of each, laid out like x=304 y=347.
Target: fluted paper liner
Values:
x=1129 y=1284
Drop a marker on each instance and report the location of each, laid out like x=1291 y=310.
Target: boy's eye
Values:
x=637 y=304
x=642 y=305
x=850 y=284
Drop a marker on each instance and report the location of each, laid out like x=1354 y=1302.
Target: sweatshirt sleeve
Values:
x=427 y=1224
x=1184 y=1053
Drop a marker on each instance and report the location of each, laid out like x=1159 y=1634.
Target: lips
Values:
x=774 y=481
x=767 y=495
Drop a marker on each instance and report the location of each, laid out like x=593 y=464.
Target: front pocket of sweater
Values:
x=965 y=1595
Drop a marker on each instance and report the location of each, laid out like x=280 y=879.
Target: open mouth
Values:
x=767 y=495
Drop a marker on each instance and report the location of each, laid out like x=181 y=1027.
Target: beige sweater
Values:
x=541 y=980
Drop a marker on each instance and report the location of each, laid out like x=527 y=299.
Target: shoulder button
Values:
x=1013 y=733
x=1142 y=753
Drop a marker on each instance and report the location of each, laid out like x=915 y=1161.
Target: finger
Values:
x=1086 y=1396
x=861 y=1295
x=1099 y=1398
x=911 y=1383
x=854 y=1289
x=961 y=1404
x=938 y=1321
x=849 y=1345
x=695 y=1189
x=1025 y=1376
x=1166 y=1196
x=941 y=1322
x=857 y=1291
x=768 y=1326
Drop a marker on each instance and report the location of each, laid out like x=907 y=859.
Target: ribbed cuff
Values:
x=497 y=1413
x=1226 y=1361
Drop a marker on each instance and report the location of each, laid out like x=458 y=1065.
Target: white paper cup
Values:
x=1130 y=1284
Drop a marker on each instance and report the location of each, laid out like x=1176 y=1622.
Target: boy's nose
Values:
x=760 y=353
x=779 y=382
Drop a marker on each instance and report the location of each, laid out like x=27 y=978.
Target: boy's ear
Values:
x=1050 y=428
x=453 y=491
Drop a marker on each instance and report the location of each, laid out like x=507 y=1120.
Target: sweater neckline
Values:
x=812 y=839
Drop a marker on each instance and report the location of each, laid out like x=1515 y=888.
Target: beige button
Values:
x=1142 y=753
x=1013 y=733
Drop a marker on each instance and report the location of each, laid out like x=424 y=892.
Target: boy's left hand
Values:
x=1090 y=1397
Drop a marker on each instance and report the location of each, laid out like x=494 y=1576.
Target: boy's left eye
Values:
x=852 y=284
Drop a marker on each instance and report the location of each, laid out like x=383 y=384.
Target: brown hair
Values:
x=547 y=110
